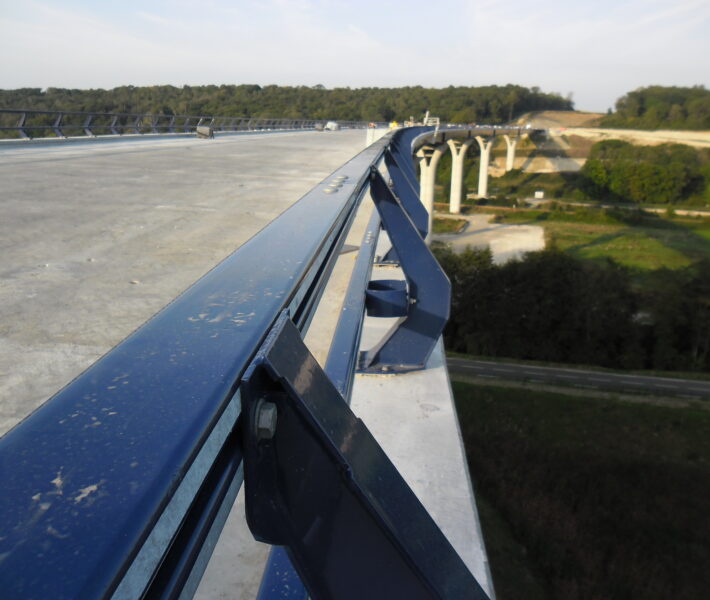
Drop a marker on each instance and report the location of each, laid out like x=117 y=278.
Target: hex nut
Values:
x=266 y=414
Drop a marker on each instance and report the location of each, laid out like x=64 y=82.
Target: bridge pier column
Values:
x=511 y=142
x=458 y=153
x=485 y=146
x=429 y=157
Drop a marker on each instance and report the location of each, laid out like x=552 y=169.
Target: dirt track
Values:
x=698 y=139
x=506 y=241
x=569 y=122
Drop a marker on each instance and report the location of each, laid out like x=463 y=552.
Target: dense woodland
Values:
x=654 y=107
x=491 y=104
x=666 y=174
x=658 y=107
x=552 y=306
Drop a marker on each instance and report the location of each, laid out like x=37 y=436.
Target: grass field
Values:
x=640 y=241
x=517 y=184
x=584 y=498
x=448 y=225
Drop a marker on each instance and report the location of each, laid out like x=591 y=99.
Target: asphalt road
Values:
x=579 y=378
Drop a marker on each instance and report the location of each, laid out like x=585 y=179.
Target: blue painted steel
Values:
x=109 y=462
x=407 y=194
x=281 y=581
x=201 y=523
x=322 y=487
x=410 y=341
x=386 y=298
x=342 y=357
x=402 y=148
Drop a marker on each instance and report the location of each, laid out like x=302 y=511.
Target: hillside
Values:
x=548 y=119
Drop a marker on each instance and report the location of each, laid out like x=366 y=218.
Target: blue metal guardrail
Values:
x=119 y=485
x=39 y=123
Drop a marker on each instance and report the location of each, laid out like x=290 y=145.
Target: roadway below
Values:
x=580 y=378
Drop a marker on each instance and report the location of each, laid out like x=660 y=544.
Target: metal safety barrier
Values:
x=119 y=485
x=29 y=124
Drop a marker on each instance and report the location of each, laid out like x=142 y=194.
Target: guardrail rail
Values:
x=30 y=124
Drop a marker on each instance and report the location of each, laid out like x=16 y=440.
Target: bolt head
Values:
x=266 y=415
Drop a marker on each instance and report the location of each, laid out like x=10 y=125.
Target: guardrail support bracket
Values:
x=409 y=343
x=319 y=484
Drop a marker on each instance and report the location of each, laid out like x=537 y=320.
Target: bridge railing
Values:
x=119 y=485
x=28 y=124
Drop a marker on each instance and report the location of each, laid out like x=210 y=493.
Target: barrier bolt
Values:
x=265 y=420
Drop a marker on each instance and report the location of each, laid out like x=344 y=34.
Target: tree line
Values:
x=490 y=104
x=551 y=306
x=658 y=107
x=665 y=174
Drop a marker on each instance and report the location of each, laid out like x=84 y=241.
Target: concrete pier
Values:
x=429 y=157
x=511 y=143
x=458 y=155
x=485 y=144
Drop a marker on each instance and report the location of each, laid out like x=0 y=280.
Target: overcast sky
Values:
x=597 y=51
